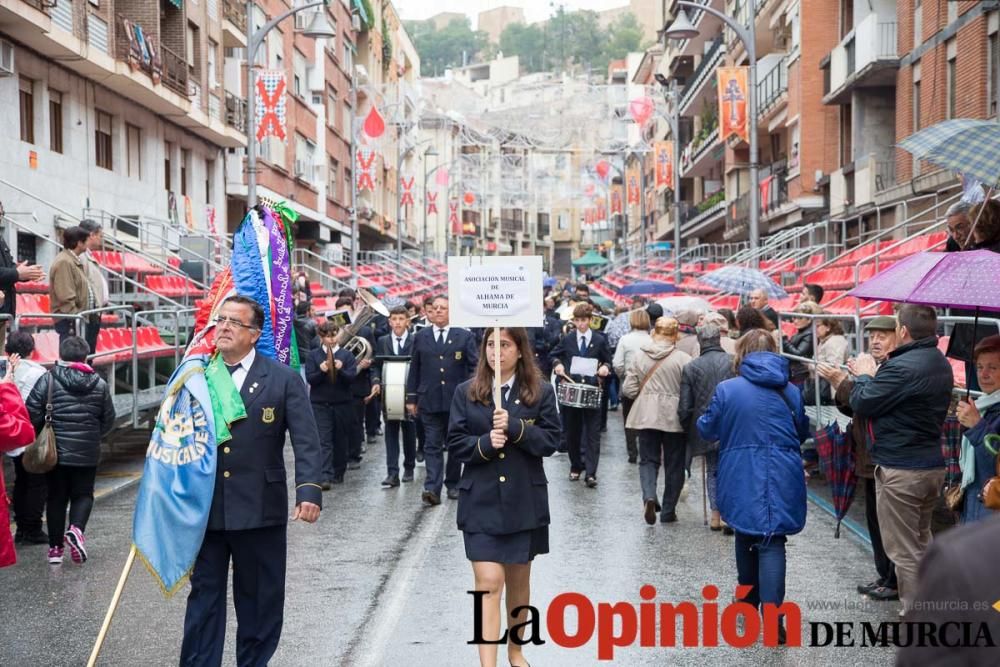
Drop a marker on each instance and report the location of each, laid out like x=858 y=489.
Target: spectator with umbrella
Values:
x=978 y=459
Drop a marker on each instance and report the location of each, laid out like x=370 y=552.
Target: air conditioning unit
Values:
x=301 y=169
x=6 y=58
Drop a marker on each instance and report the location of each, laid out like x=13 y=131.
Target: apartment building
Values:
x=115 y=109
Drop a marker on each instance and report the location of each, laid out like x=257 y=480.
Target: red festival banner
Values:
x=366 y=169
x=456 y=226
x=664 y=152
x=432 y=202
x=407 y=198
x=270 y=109
x=632 y=182
x=616 y=200
x=733 y=98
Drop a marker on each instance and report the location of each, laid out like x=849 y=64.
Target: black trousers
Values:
x=583 y=438
x=883 y=564
x=357 y=438
x=91 y=328
x=654 y=447
x=333 y=422
x=373 y=416
x=392 y=433
x=29 y=494
x=258 y=558
x=631 y=434
x=73 y=485
x=418 y=425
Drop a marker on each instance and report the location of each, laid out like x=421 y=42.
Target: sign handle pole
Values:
x=497 y=395
x=111 y=609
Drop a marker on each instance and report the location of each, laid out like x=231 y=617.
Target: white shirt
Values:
x=399 y=342
x=505 y=388
x=240 y=374
x=584 y=337
x=435 y=330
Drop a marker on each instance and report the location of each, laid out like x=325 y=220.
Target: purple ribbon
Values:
x=281 y=288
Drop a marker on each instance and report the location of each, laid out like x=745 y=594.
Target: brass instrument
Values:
x=348 y=337
x=331 y=367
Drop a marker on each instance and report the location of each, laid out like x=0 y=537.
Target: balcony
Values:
x=703 y=152
x=702 y=74
x=236 y=113
x=773 y=178
x=704 y=217
x=707 y=24
x=234 y=24
x=865 y=58
x=772 y=89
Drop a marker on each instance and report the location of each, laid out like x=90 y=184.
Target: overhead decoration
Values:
x=641 y=110
x=469 y=198
x=407 y=197
x=664 y=152
x=616 y=200
x=442 y=176
x=374 y=124
x=603 y=168
x=432 y=202
x=634 y=191
x=270 y=110
x=456 y=225
x=733 y=95
x=366 y=169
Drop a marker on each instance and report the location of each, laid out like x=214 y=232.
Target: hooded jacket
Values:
x=760 y=424
x=698 y=383
x=15 y=432
x=82 y=412
x=655 y=407
x=906 y=404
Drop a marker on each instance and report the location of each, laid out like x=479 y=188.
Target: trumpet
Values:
x=348 y=337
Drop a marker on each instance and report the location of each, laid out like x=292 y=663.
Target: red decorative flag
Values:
x=634 y=192
x=616 y=200
x=641 y=110
x=270 y=107
x=442 y=176
x=456 y=226
x=374 y=124
x=469 y=198
x=733 y=102
x=432 y=202
x=407 y=198
x=602 y=209
x=366 y=169
x=664 y=152
x=602 y=168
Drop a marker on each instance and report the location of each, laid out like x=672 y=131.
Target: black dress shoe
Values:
x=591 y=482
x=325 y=486
x=670 y=517
x=649 y=513
x=390 y=481
x=337 y=479
x=371 y=440
x=865 y=589
x=631 y=459
x=883 y=594
x=407 y=475
x=430 y=498
x=354 y=465
x=420 y=457
x=452 y=494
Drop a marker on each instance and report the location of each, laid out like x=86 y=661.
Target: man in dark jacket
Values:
x=906 y=404
x=881 y=341
x=699 y=379
x=11 y=273
x=304 y=325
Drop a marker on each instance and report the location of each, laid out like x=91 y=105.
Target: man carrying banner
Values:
x=249 y=508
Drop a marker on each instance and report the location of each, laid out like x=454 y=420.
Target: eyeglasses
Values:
x=221 y=322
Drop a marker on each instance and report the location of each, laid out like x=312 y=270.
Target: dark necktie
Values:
x=440 y=336
x=399 y=346
x=232 y=369
x=505 y=392
x=583 y=345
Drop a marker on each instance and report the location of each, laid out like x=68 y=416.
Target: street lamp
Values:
x=674 y=119
x=682 y=29
x=430 y=152
x=319 y=28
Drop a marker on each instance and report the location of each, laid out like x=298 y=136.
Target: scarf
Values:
x=967 y=457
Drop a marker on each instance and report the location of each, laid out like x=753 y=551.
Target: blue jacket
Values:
x=760 y=424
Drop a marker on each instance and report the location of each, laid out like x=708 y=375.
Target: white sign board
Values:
x=495 y=291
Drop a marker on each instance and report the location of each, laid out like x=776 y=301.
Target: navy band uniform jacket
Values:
x=436 y=370
x=568 y=347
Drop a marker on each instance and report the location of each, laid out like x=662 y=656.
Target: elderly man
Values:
x=959 y=227
x=881 y=341
x=906 y=404
x=758 y=299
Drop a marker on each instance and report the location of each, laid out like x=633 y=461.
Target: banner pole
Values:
x=112 y=608
x=497 y=396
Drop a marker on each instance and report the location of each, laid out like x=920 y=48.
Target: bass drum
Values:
x=394 y=389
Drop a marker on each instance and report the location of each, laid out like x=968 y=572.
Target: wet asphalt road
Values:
x=379 y=580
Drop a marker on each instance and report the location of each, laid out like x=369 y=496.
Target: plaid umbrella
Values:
x=741 y=280
x=836 y=461
x=969 y=146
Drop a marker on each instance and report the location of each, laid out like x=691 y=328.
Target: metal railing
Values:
x=301 y=262
x=705 y=67
x=175 y=71
x=772 y=87
x=236 y=112
x=888 y=36
x=136 y=390
x=885 y=174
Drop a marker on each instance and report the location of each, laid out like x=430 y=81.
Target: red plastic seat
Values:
x=150 y=343
x=33 y=305
x=46 y=347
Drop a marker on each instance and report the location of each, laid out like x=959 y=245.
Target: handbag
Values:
x=652 y=370
x=951 y=448
x=40 y=456
x=991 y=490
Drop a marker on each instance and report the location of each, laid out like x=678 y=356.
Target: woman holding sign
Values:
x=503 y=506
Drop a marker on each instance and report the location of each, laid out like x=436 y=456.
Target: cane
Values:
x=704 y=489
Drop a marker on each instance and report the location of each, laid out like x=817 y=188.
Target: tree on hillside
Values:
x=451 y=46
x=527 y=42
x=624 y=36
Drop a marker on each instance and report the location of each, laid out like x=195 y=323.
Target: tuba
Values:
x=348 y=337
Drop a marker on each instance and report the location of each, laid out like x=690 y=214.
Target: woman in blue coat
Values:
x=982 y=419
x=503 y=505
x=760 y=424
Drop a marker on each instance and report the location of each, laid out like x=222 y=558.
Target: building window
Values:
x=185 y=170
x=305 y=155
x=332 y=169
x=102 y=140
x=950 y=76
x=993 y=80
x=209 y=175
x=168 y=151
x=298 y=74
x=27 y=111
x=133 y=151
x=55 y=121
x=213 y=54
x=332 y=107
x=348 y=57
x=916 y=96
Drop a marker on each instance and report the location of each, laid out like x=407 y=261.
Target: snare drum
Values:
x=579 y=395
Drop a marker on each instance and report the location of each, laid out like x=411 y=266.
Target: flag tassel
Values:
x=112 y=608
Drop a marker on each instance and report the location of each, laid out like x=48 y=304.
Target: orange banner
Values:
x=602 y=208
x=632 y=182
x=616 y=199
x=664 y=152
x=733 y=98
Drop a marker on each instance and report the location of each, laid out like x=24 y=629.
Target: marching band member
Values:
x=442 y=357
x=361 y=389
x=397 y=344
x=503 y=508
x=583 y=434
x=330 y=372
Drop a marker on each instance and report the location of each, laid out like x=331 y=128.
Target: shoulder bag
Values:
x=652 y=370
x=40 y=456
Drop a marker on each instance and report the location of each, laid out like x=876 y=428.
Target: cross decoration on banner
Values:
x=456 y=227
x=633 y=186
x=407 y=198
x=366 y=169
x=432 y=202
x=664 y=164
x=602 y=209
x=616 y=200
x=733 y=102
x=270 y=109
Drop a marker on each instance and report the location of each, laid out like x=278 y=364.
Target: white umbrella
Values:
x=676 y=304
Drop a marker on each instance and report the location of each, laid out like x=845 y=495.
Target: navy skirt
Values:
x=520 y=547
